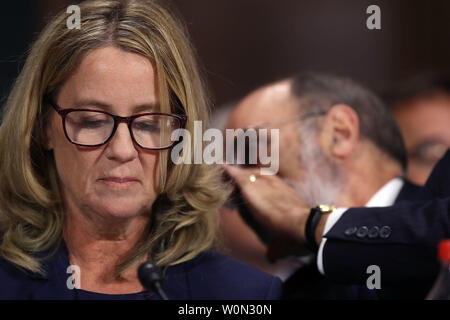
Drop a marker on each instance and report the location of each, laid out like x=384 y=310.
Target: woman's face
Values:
x=118 y=179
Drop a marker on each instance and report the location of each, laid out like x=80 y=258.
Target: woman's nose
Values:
x=121 y=146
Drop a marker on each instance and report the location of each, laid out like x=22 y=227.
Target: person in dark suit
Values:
x=360 y=168
x=407 y=252
x=403 y=241
x=309 y=284
x=88 y=187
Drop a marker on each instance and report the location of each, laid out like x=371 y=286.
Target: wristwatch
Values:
x=311 y=225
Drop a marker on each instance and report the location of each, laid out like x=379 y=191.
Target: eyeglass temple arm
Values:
x=49 y=100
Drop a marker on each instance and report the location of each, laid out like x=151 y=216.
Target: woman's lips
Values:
x=119 y=182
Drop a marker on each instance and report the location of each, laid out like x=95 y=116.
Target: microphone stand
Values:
x=150 y=277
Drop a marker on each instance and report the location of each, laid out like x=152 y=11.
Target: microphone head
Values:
x=149 y=275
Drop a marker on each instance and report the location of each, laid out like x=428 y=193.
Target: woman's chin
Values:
x=120 y=209
x=118 y=205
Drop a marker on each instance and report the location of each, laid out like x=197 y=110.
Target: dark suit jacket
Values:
x=407 y=251
x=209 y=276
x=309 y=284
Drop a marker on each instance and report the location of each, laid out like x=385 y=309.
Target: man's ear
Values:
x=342 y=124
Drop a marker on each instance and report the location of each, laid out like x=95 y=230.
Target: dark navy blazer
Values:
x=209 y=276
x=309 y=284
x=407 y=251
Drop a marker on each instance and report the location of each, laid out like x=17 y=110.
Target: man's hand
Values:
x=276 y=206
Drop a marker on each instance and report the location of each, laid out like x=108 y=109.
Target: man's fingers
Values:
x=233 y=171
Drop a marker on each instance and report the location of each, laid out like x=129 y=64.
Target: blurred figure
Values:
x=332 y=152
x=421 y=107
x=271 y=103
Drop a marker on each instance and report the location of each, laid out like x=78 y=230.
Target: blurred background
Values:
x=246 y=43
x=243 y=44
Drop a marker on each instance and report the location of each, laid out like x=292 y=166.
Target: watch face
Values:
x=325 y=208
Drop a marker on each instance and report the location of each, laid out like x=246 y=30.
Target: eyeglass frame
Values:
x=117 y=120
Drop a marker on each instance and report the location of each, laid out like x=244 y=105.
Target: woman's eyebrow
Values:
x=91 y=103
x=145 y=107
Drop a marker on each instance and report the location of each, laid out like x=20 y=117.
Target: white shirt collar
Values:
x=384 y=197
x=387 y=194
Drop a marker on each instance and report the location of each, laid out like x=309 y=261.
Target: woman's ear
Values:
x=342 y=123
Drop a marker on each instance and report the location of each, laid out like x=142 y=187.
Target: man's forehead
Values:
x=262 y=107
x=260 y=117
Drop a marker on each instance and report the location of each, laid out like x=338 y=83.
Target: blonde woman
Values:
x=88 y=190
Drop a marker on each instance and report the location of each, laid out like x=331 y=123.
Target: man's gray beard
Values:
x=322 y=179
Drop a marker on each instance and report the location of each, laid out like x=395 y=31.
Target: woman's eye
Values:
x=91 y=123
x=149 y=126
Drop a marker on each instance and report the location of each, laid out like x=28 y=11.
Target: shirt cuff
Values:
x=331 y=221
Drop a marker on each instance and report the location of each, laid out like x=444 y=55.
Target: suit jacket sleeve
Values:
x=403 y=241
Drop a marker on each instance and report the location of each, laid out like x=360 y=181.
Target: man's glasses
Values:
x=93 y=128
x=251 y=146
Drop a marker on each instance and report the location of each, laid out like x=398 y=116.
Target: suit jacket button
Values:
x=350 y=231
x=385 y=232
x=362 y=232
x=374 y=232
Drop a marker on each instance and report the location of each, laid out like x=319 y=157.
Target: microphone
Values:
x=150 y=277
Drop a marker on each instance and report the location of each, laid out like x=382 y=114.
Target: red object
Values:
x=444 y=250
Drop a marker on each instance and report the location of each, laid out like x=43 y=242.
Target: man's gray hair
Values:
x=317 y=93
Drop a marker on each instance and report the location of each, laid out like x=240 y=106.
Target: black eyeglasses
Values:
x=93 y=128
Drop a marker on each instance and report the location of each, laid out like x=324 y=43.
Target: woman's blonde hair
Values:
x=184 y=216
